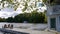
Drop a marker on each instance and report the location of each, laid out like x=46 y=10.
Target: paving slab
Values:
x=33 y=31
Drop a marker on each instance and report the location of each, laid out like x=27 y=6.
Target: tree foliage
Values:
x=51 y=2
x=26 y=4
x=10 y=19
x=2 y=19
x=33 y=17
x=10 y=3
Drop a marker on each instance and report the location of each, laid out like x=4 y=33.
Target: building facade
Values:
x=53 y=17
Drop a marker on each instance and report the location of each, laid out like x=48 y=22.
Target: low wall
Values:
x=11 y=31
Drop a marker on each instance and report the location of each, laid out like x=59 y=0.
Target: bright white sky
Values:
x=8 y=12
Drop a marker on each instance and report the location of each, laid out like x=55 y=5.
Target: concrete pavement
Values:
x=34 y=31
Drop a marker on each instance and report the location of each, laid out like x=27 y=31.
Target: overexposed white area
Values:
x=9 y=11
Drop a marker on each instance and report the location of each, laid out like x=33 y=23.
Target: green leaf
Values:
x=44 y=1
x=26 y=5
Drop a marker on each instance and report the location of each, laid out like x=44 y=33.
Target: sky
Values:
x=9 y=12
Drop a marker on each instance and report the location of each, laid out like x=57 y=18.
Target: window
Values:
x=56 y=9
x=59 y=19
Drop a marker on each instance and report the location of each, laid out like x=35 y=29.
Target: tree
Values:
x=10 y=19
x=2 y=20
x=33 y=17
x=51 y=2
x=38 y=17
x=9 y=3
x=25 y=5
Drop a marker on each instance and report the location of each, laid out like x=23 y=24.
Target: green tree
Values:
x=10 y=3
x=9 y=19
x=2 y=20
x=16 y=3
x=33 y=17
x=51 y=2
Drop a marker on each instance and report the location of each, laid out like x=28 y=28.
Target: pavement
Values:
x=35 y=31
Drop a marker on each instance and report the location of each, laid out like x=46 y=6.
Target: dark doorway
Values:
x=53 y=23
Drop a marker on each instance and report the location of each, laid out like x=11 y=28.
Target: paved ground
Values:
x=27 y=28
x=35 y=31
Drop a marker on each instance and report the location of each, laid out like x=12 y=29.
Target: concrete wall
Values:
x=53 y=12
x=57 y=22
x=49 y=11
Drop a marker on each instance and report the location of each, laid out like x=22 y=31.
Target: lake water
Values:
x=24 y=25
